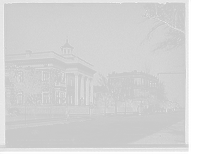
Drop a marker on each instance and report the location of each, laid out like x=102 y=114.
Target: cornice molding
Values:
x=51 y=60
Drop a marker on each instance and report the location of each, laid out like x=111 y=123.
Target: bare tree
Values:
x=104 y=88
x=125 y=94
x=171 y=15
x=160 y=92
x=115 y=89
x=147 y=68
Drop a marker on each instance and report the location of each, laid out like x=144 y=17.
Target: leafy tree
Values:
x=170 y=16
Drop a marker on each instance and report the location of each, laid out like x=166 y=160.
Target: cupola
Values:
x=67 y=48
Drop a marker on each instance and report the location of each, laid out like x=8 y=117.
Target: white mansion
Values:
x=74 y=80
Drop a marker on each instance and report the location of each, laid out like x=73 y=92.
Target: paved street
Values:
x=102 y=131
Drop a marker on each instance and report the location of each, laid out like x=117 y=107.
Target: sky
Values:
x=109 y=36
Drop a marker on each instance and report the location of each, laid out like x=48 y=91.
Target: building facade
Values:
x=137 y=86
x=56 y=79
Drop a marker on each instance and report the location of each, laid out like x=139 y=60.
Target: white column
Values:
x=82 y=89
x=87 y=91
x=91 y=91
x=76 y=89
x=66 y=88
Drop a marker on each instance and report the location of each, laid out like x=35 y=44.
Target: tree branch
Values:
x=169 y=17
x=174 y=15
x=164 y=22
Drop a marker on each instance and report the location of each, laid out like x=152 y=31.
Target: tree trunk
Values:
x=125 y=109
x=115 y=107
x=25 y=113
x=35 y=108
x=105 y=109
x=51 y=112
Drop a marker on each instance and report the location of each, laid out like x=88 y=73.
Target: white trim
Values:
x=63 y=79
x=61 y=97
x=71 y=82
x=22 y=76
x=18 y=97
x=58 y=98
x=43 y=74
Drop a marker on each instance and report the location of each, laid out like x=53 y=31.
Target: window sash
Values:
x=63 y=77
x=45 y=97
x=45 y=75
x=57 y=97
x=20 y=98
x=71 y=82
x=20 y=76
x=62 y=95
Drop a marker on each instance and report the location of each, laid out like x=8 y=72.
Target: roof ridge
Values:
x=31 y=53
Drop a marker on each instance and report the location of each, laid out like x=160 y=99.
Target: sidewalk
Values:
x=174 y=134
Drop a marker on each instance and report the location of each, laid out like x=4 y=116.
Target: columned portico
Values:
x=76 y=89
x=68 y=76
x=82 y=90
x=87 y=91
x=91 y=91
x=66 y=89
